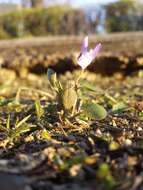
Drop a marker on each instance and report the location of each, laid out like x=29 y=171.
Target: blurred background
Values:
x=26 y=18
x=36 y=34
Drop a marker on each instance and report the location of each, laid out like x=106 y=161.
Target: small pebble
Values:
x=98 y=132
x=139 y=129
x=128 y=142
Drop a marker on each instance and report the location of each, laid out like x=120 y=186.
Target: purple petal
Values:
x=96 y=50
x=84 y=45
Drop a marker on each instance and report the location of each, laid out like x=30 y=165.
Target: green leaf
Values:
x=39 y=109
x=110 y=98
x=4 y=102
x=94 y=111
x=45 y=135
x=85 y=85
x=69 y=98
x=8 y=122
x=119 y=107
x=104 y=174
x=20 y=127
x=103 y=170
x=52 y=76
x=141 y=114
x=2 y=128
x=14 y=106
x=22 y=121
x=24 y=127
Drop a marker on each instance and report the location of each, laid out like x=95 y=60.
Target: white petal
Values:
x=84 y=45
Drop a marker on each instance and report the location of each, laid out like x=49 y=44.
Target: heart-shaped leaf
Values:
x=94 y=111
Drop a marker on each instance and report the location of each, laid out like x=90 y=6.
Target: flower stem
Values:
x=80 y=76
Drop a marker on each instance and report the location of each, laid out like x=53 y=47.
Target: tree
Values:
x=74 y=22
x=37 y=3
x=123 y=15
x=32 y=3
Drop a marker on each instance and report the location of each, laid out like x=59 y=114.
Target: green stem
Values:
x=80 y=76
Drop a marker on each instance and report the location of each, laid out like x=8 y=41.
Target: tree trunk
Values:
x=37 y=3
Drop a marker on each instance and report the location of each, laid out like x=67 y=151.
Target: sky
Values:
x=75 y=2
x=81 y=2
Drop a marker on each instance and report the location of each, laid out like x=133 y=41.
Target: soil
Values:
x=105 y=154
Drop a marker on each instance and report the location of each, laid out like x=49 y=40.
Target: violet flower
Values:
x=86 y=57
